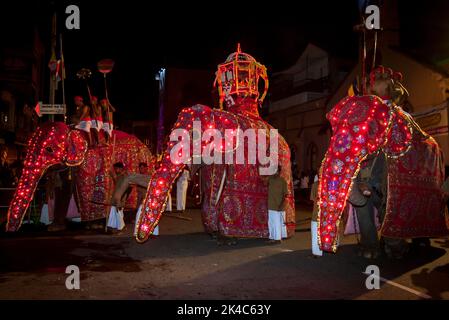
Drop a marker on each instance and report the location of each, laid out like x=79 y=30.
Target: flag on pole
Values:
x=354 y=88
x=53 y=62
x=63 y=75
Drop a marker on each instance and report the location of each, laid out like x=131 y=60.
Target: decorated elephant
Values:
x=365 y=128
x=56 y=143
x=235 y=202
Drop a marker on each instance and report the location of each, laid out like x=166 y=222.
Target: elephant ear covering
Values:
x=399 y=138
x=76 y=147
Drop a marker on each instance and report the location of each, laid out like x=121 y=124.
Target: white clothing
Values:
x=84 y=125
x=72 y=211
x=97 y=124
x=108 y=127
x=181 y=190
x=47 y=212
x=314 y=233
x=276 y=226
x=139 y=212
x=115 y=220
x=304 y=183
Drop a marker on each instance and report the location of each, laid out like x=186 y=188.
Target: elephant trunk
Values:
x=173 y=161
x=360 y=126
x=157 y=194
x=51 y=144
x=31 y=174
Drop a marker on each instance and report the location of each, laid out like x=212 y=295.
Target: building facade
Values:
x=297 y=104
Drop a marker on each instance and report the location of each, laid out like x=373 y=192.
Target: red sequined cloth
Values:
x=415 y=206
x=94 y=180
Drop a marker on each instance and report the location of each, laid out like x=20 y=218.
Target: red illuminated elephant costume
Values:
x=366 y=125
x=55 y=143
x=236 y=201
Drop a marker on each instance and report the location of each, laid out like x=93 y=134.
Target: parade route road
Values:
x=185 y=263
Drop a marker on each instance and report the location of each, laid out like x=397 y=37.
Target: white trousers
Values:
x=115 y=220
x=276 y=225
x=139 y=212
x=314 y=233
x=181 y=194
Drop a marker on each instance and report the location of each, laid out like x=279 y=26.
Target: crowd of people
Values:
x=303 y=183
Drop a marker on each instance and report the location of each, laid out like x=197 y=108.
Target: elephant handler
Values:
x=277 y=191
x=123 y=187
x=369 y=192
x=116 y=219
x=181 y=190
x=316 y=251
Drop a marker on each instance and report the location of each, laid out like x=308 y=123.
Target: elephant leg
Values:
x=395 y=248
x=62 y=201
x=368 y=232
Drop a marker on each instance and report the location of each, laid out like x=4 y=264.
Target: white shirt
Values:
x=304 y=183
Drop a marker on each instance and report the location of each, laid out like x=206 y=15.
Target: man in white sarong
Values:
x=277 y=191
x=316 y=251
x=115 y=219
x=181 y=190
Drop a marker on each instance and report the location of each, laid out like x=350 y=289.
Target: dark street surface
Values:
x=185 y=263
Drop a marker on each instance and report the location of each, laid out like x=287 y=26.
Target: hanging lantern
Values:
x=239 y=75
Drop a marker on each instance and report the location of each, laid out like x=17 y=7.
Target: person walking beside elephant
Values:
x=116 y=214
x=277 y=191
x=369 y=192
x=316 y=251
x=181 y=190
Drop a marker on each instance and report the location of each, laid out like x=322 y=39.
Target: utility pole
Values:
x=160 y=128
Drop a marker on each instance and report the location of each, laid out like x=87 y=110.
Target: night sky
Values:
x=142 y=36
